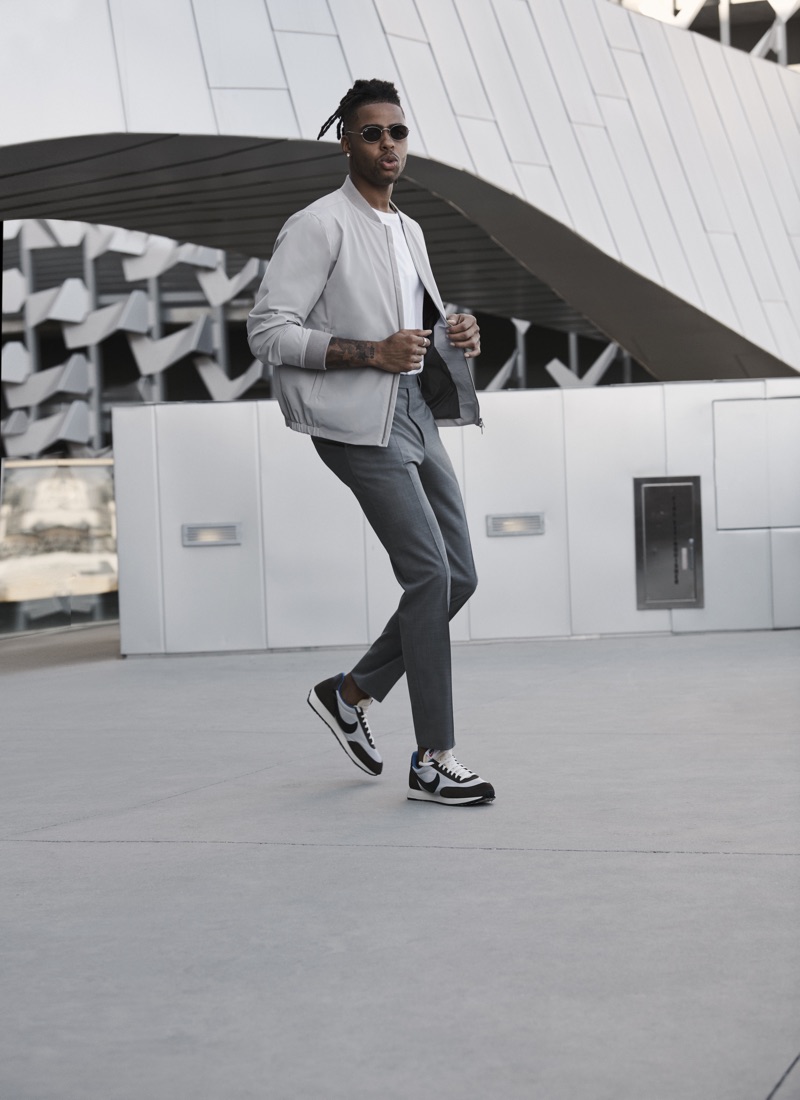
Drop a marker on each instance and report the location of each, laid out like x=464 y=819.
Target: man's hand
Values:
x=463 y=332
x=403 y=351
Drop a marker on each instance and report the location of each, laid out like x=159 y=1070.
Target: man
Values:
x=365 y=362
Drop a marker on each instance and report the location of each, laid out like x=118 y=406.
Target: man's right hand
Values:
x=403 y=351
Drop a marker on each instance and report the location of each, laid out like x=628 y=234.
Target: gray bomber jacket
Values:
x=334 y=273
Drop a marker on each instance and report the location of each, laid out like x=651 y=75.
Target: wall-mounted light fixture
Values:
x=211 y=534
x=518 y=523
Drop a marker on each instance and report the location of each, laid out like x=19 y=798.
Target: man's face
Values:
x=380 y=163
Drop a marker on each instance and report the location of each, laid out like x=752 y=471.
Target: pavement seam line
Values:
x=784 y=1079
x=409 y=847
x=141 y=805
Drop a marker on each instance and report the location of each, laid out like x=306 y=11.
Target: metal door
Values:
x=669 y=542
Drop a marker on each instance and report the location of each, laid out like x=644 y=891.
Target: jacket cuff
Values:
x=316 y=349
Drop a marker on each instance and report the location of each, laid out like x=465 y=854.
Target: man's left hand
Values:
x=463 y=332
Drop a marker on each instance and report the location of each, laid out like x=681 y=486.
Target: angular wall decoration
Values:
x=154 y=356
x=129 y=315
x=71 y=377
x=15 y=289
x=79 y=425
x=220 y=386
x=69 y=426
x=218 y=288
x=68 y=302
x=16 y=362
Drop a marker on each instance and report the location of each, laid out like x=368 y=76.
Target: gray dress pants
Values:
x=411 y=499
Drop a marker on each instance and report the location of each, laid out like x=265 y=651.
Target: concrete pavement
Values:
x=203 y=898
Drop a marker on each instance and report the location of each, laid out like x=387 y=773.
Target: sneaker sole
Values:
x=424 y=796
x=322 y=712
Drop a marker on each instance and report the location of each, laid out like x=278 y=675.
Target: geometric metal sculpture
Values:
x=154 y=356
x=567 y=379
x=130 y=315
x=222 y=388
x=161 y=253
x=15 y=289
x=16 y=363
x=218 y=288
x=71 y=377
x=71 y=425
x=68 y=302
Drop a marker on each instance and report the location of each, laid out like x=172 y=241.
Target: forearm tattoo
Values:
x=343 y=353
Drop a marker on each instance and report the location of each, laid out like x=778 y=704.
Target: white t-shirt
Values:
x=411 y=288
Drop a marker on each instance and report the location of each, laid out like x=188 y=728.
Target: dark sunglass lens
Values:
x=399 y=133
x=371 y=133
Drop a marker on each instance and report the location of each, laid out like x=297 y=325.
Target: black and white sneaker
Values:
x=354 y=736
x=439 y=777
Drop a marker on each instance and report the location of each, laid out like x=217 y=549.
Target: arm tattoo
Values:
x=350 y=353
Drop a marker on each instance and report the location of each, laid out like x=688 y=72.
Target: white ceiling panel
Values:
x=672 y=181
x=558 y=137
x=596 y=56
x=401 y=17
x=161 y=63
x=257 y=112
x=678 y=115
x=489 y=154
x=648 y=199
x=367 y=52
x=770 y=144
x=314 y=100
x=568 y=69
x=618 y=205
x=454 y=59
x=780 y=112
x=310 y=16
x=238 y=45
x=502 y=85
x=749 y=309
x=433 y=110
x=753 y=174
x=617 y=25
x=724 y=166
x=81 y=92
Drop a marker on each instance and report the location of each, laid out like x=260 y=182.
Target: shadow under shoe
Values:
x=356 y=737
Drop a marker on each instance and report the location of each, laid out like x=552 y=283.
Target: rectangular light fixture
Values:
x=211 y=534
x=518 y=523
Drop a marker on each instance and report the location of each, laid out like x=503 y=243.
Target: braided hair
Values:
x=362 y=92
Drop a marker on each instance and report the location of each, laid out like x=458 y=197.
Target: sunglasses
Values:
x=371 y=134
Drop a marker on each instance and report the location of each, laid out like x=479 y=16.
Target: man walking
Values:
x=365 y=362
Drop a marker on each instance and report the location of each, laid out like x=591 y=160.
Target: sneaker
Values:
x=439 y=777
x=355 y=737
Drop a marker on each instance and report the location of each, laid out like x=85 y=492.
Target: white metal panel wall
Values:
x=736 y=564
x=740 y=463
x=785 y=557
x=141 y=579
x=313 y=539
x=783 y=458
x=517 y=465
x=612 y=435
x=208 y=473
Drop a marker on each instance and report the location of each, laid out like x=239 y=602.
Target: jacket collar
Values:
x=352 y=193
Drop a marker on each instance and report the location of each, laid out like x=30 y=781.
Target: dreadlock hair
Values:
x=362 y=92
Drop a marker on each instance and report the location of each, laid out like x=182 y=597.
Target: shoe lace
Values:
x=362 y=721
x=448 y=763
